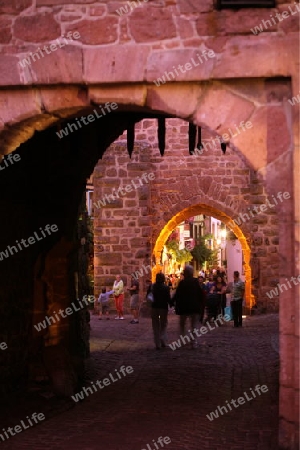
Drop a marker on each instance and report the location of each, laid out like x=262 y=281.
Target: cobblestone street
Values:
x=169 y=392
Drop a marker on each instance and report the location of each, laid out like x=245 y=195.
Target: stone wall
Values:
x=127 y=228
x=153 y=37
x=157 y=34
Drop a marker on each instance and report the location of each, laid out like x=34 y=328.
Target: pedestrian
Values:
x=134 y=299
x=238 y=291
x=204 y=289
x=201 y=273
x=219 y=287
x=118 y=289
x=210 y=282
x=159 y=311
x=103 y=302
x=189 y=301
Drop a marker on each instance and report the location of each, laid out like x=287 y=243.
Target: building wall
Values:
x=155 y=36
x=127 y=228
x=234 y=255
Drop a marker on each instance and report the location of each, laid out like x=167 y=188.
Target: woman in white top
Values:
x=118 y=289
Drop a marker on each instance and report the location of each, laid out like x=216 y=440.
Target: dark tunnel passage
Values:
x=45 y=187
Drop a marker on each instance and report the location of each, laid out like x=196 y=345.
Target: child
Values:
x=103 y=301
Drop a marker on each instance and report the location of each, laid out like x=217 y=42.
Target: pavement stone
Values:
x=169 y=392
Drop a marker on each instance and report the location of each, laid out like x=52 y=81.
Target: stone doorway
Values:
x=194 y=210
x=228 y=184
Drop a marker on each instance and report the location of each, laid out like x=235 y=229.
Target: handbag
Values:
x=228 y=312
x=150 y=297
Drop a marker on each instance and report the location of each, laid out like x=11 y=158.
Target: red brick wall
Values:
x=126 y=230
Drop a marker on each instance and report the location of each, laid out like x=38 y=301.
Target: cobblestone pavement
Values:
x=169 y=393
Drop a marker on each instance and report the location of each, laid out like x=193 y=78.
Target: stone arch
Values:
x=42 y=108
x=203 y=208
x=229 y=185
x=36 y=109
x=268 y=147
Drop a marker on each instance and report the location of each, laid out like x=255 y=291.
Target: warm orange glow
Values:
x=196 y=210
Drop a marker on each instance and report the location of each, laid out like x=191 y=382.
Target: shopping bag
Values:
x=228 y=312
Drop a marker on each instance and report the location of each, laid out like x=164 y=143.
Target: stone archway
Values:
x=228 y=183
x=268 y=148
x=194 y=210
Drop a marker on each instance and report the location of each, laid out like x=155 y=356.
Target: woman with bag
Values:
x=118 y=289
x=219 y=288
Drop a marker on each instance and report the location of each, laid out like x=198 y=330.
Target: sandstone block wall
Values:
x=117 y=59
x=127 y=229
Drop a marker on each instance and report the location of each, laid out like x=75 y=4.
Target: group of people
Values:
x=191 y=298
x=196 y=299
x=118 y=294
x=215 y=290
x=172 y=281
x=188 y=301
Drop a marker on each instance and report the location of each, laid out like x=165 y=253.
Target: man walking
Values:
x=189 y=301
x=238 y=291
x=134 y=300
x=159 y=313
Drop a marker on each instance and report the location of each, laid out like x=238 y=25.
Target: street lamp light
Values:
x=223 y=233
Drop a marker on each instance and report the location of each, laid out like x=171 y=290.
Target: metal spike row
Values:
x=130 y=138
x=161 y=133
x=192 y=138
